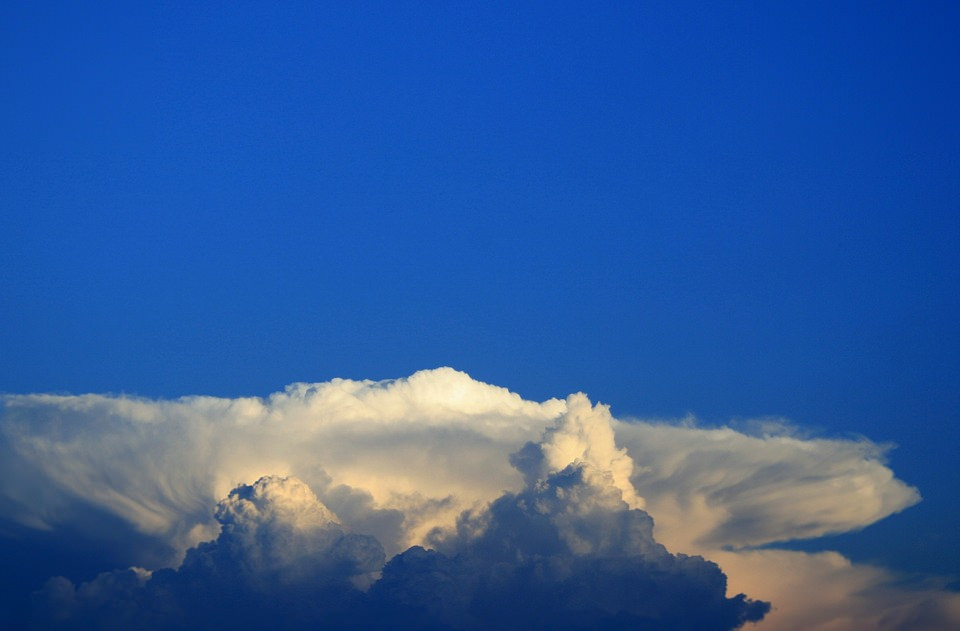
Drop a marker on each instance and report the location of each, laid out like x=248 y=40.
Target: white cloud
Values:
x=585 y=435
x=429 y=445
x=276 y=529
x=712 y=488
x=400 y=458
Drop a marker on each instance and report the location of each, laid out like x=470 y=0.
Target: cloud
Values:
x=160 y=465
x=566 y=552
x=277 y=530
x=427 y=461
x=826 y=592
x=584 y=435
x=281 y=560
x=749 y=490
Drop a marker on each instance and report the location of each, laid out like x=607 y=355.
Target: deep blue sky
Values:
x=735 y=211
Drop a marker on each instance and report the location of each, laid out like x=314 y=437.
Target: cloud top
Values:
x=584 y=436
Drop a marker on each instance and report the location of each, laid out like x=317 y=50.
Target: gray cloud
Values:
x=281 y=560
x=565 y=553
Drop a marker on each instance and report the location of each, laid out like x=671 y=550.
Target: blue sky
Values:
x=731 y=212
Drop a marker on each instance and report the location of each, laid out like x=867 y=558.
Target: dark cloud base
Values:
x=566 y=553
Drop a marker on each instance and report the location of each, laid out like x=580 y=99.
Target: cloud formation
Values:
x=567 y=552
x=748 y=490
x=462 y=469
x=160 y=465
x=281 y=560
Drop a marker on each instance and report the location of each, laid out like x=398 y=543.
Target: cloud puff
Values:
x=131 y=481
x=281 y=560
x=566 y=552
x=276 y=530
x=584 y=435
x=749 y=490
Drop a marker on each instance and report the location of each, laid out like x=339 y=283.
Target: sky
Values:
x=729 y=224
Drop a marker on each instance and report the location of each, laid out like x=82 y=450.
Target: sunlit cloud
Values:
x=373 y=490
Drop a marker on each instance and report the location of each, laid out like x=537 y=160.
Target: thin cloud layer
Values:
x=750 y=490
x=442 y=461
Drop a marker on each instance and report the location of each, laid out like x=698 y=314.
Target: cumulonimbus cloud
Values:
x=567 y=552
x=401 y=461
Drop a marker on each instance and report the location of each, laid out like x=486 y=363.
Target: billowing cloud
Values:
x=458 y=467
x=566 y=552
x=281 y=560
x=826 y=592
x=160 y=465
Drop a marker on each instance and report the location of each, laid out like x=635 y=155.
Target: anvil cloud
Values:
x=425 y=500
